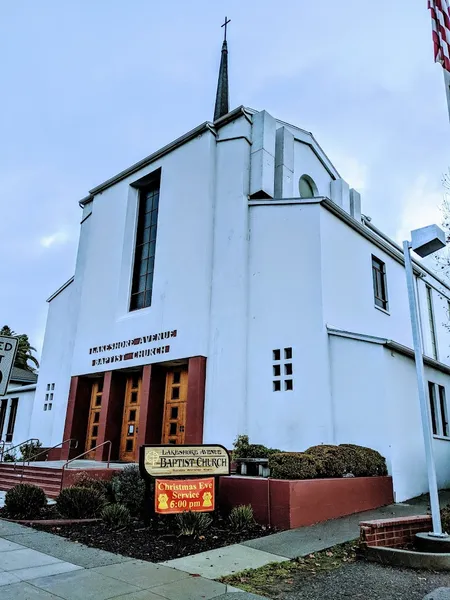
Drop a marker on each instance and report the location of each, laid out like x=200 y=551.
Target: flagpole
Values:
x=447 y=89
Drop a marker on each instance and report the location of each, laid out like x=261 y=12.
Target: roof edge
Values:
x=62 y=288
x=187 y=137
x=390 y=344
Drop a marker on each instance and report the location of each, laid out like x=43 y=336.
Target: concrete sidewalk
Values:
x=287 y=545
x=36 y=565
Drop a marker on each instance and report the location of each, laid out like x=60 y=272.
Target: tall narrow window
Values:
x=438 y=409
x=3 y=407
x=443 y=407
x=379 y=283
x=144 y=255
x=431 y=322
x=432 y=396
x=11 y=420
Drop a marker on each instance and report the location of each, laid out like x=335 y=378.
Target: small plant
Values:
x=116 y=516
x=29 y=449
x=25 y=501
x=241 y=517
x=80 y=503
x=8 y=457
x=192 y=523
x=129 y=489
x=83 y=479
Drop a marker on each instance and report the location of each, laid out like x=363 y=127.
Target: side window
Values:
x=438 y=409
x=379 y=283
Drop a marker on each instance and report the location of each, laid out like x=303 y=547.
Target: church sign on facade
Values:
x=180 y=495
x=180 y=461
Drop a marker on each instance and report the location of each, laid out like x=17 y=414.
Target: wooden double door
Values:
x=174 y=413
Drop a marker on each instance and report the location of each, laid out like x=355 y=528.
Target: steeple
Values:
x=221 y=108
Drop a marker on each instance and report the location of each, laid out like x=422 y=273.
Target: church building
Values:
x=229 y=284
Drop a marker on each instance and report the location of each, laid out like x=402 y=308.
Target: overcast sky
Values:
x=91 y=86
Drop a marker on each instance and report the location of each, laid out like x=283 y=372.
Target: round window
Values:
x=307 y=187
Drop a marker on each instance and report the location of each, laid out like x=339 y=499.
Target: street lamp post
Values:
x=424 y=241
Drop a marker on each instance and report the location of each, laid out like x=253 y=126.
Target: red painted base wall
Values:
x=289 y=504
x=70 y=475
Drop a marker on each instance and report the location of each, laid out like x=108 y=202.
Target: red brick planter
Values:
x=393 y=533
x=70 y=475
x=289 y=504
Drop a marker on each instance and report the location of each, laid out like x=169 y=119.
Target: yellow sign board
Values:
x=178 y=461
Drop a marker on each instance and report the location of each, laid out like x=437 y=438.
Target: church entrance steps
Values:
x=48 y=474
x=47 y=479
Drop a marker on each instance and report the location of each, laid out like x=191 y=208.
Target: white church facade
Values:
x=229 y=284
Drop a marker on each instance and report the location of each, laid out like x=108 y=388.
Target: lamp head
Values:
x=426 y=240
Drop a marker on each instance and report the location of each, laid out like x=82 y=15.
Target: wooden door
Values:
x=130 y=421
x=175 y=407
x=94 y=418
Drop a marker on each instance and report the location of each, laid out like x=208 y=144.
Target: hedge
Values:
x=293 y=465
x=243 y=449
x=326 y=461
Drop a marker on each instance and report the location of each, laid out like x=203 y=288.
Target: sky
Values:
x=91 y=86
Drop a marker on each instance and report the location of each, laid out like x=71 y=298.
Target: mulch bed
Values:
x=156 y=542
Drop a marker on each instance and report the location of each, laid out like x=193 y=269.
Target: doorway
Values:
x=130 y=419
x=94 y=418
x=175 y=398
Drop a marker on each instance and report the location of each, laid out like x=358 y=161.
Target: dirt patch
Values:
x=277 y=579
x=156 y=542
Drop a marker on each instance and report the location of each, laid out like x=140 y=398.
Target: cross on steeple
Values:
x=225 y=25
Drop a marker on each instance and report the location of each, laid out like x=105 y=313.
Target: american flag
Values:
x=440 y=16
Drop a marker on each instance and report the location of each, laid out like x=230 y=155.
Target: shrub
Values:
x=29 y=449
x=445 y=518
x=80 y=502
x=83 y=479
x=8 y=457
x=241 y=517
x=331 y=460
x=25 y=501
x=192 y=523
x=129 y=489
x=293 y=465
x=364 y=462
x=116 y=516
x=243 y=449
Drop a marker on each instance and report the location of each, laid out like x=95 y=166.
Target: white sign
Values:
x=8 y=349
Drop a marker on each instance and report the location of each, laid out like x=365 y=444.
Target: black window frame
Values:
x=380 y=294
x=438 y=410
x=12 y=420
x=145 y=242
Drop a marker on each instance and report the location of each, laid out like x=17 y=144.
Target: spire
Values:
x=221 y=107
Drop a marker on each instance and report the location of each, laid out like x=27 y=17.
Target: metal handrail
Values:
x=21 y=444
x=84 y=454
x=28 y=460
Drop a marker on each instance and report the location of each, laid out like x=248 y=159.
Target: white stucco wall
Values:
x=306 y=162
x=226 y=392
x=181 y=287
x=375 y=403
x=285 y=310
x=348 y=284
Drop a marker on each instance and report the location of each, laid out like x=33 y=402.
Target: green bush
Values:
x=80 y=503
x=83 y=479
x=29 y=449
x=129 y=489
x=293 y=465
x=116 y=516
x=8 y=457
x=25 y=501
x=364 y=462
x=445 y=518
x=243 y=449
x=331 y=460
x=241 y=517
x=192 y=523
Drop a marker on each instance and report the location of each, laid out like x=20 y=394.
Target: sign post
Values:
x=182 y=478
x=8 y=350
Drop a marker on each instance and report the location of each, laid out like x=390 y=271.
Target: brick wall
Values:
x=393 y=533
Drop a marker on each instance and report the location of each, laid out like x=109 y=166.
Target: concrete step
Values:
x=47 y=479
